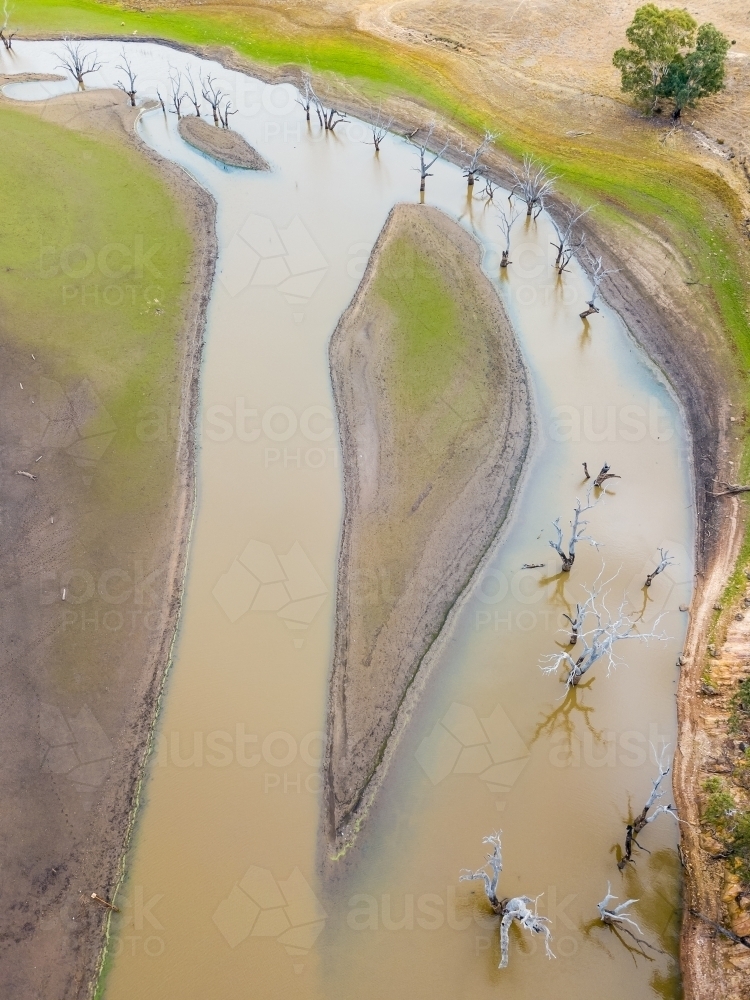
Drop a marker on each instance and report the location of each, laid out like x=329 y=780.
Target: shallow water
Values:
x=233 y=791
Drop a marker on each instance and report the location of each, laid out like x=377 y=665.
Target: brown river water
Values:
x=225 y=894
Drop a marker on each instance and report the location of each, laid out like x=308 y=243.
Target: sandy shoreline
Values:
x=443 y=523
x=89 y=855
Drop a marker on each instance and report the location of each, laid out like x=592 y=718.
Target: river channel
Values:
x=224 y=895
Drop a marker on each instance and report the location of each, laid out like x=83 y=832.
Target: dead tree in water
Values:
x=617 y=918
x=506 y=218
x=192 y=96
x=642 y=819
x=424 y=163
x=599 y=640
x=78 y=63
x=664 y=560
x=533 y=182
x=508 y=909
x=577 y=535
x=161 y=100
x=7 y=40
x=604 y=475
x=328 y=118
x=213 y=95
x=597 y=273
x=379 y=129
x=307 y=97
x=129 y=87
x=488 y=192
x=472 y=167
x=576 y=623
x=175 y=84
x=224 y=113
x=569 y=242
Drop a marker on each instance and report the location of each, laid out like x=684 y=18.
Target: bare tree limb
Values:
x=424 y=152
x=617 y=918
x=569 y=241
x=664 y=561
x=604 y=475
x=506 y=218
x=507 y=909
x=643 y=818
x=379 y=128
x=128 y=88
x=597 y=273
x=175 y=84
x=471 y=170
x=213 y=95
x=598 y=641
x=730 y=489
x=192 y=94
x=533 y=182
x=723 y=930
x=577 y=534
x=77 y=62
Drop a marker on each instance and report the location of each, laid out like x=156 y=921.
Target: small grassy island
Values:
x=435 y=422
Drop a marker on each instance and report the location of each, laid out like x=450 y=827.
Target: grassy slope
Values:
x=66 y=198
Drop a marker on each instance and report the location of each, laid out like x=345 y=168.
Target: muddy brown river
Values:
x=224 y=894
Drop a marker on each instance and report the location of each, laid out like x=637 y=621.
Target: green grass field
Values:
x=94 y=254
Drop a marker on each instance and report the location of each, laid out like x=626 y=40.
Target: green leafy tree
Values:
x=657 y=38
x=699 y=73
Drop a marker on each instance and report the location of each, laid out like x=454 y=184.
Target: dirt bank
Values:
x=83 y=664
x=435 y=427
x=222 y=144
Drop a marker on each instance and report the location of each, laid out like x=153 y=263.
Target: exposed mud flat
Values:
x=79 y=703
x=222 y=144
x=428 y=480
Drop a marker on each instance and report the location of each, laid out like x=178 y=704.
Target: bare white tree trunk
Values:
x=533 y=182
x=77 y=62
x=597 y=273
x=472 y=167
x=617 y=918
x=664 y=560
x=425 y=163
x=600 y=639
x=577 y=535
x=128 y=88
x=508 y=910
x=506 y=218
x=643 y=819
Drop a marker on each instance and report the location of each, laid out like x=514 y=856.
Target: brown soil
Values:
x=63 y=830
x=427 y=486
x=222 y=144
